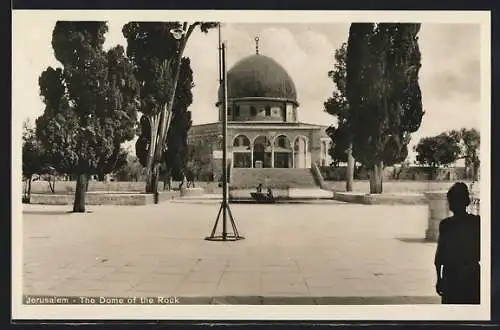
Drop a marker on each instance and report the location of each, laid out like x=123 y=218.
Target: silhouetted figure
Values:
x=259 y=188
x=167 y=180
x=458 y=251
x=190 y=178
x=270 y=194
x=181 y=182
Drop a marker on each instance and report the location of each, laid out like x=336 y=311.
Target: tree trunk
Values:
x=87 y=183
x=161 y=122
x=475 y=172
x=151 y=162
x=80 y=193
x=376 y=176
x=101 y=176
x=152 y=184
x=350 y=170
x=52 y=184
x=49 y=182
x=25 y=188
x=167 y=181
x=28 y=195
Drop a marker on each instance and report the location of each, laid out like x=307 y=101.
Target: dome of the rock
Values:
x=259 y=76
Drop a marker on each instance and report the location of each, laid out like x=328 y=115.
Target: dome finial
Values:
x=257 y=45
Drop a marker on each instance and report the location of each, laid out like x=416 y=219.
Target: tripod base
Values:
x=220 y=238
x=225 y=211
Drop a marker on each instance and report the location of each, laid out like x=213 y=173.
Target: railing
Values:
x=318 y=177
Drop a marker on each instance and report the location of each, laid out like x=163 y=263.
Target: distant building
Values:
x=263 y=126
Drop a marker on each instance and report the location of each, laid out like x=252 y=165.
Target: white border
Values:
x=28 y=18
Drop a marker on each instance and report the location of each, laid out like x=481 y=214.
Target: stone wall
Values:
x=102 y=198
x=412 y=173
x=394 y=186
x=68 y=187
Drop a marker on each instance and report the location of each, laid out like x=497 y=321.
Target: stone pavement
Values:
x=292 y=254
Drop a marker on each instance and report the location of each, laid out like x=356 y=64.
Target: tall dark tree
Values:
x=383 y=62
x=199 y=158
x=156 y=49
x=132 y=170
x=33 y=156
x=338 y=106
x=470 y=142
x=114 y=164
x=124 y=89
x=177 y=147
x=439 y=150
x=340 y=144
x=90 y=103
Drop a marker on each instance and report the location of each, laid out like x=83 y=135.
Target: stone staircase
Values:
x=275 y=178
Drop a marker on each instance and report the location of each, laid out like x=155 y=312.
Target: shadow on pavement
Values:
x=413 y=240
x=50 y=212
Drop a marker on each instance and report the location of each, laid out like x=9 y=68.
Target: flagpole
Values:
x=224 y=208
x=224 y=142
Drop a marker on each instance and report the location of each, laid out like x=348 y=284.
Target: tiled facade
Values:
x=263 y=127
x=286 y=146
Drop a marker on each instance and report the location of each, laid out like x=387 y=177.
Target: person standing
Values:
x=457 y=258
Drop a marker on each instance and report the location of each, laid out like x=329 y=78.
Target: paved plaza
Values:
x=320 y=253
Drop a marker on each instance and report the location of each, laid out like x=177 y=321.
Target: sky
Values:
x=449 y=77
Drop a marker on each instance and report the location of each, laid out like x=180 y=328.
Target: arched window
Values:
x=241 y=141
x=244 y=141
x=262 y=156
x=282 y=152
x=282 y=141
x=300 y=152
x=242 y=157
x=253 y=111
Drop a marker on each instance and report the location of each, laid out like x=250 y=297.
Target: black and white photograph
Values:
x=251 y=165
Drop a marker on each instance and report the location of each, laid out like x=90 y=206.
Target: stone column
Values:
x=307 y=154
x=251 y=156
x=438 y=210
x=271 y=138
x=272 y=155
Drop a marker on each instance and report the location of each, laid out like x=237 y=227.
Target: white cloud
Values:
x=31 y=55
x=449 y=83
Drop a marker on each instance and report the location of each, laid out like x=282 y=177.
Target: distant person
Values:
x=182 y=180
x=458 y=251
x=270 y=194
x=259 y=188
x=190 y=176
